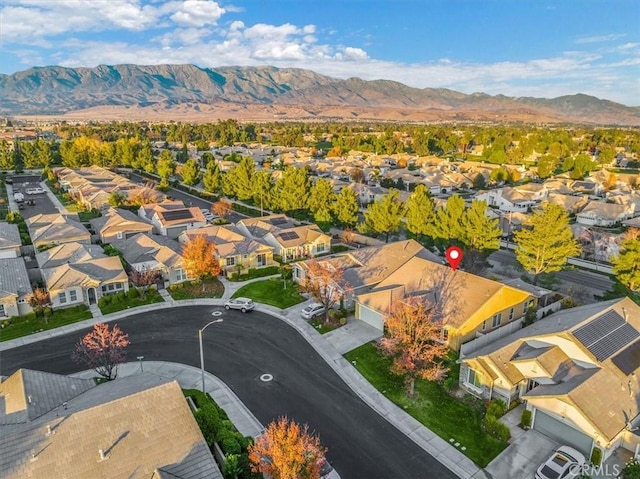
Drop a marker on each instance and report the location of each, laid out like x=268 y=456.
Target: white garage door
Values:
x=562 y=433
x=7 y=254
x=371 y=317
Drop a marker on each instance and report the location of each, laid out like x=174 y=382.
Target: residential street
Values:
x=579 y=277
x=361 y=443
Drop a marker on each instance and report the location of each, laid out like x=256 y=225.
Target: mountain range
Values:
x=191 y=93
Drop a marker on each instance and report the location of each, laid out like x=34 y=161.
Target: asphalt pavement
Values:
x=583 y=278
x=307 y=385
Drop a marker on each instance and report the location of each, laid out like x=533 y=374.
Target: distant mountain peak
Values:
x=262 y=92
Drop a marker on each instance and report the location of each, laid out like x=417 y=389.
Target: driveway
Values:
x=522 y=457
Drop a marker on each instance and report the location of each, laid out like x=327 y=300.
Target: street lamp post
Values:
x=200 y=331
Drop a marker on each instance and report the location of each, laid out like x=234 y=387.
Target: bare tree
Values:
x=325 y=281
x=102 y=349
x=144 y=278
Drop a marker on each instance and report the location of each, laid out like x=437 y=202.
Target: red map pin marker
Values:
x=454 y=256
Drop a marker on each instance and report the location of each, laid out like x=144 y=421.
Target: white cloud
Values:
x=599 y=38
x=198 y=13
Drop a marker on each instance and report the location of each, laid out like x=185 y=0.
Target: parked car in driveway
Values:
x=243 y=304
x=564 y=463
x=313 y=311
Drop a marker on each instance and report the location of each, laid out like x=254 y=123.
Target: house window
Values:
x=231 y=261
x=484 y=325
x=262 y=259
x=119 y=235
x=320 y=248
x=474 y=378
x=2 y=311
x=62 y=298
x=73 y=295
x=497 y=319
x=181 y=275
x=118 y=285
x=510 y=314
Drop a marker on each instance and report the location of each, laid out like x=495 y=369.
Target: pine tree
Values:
x=263 y=190
x=191 y=172
x=419 y=213
x=237 y=181
x=293 y=189
x=345 y=209
x=322 y=196
x=448 y=225
x=626 y=265
x=481 y=234
x=383 y=216
x=212 y=178
x=547 y=242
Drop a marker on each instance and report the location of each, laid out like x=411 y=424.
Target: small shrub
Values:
x=525 y=419
x=496 y=429
x=196 y=282
x=496 y=408
x=343 y=321
x=631 y=470
x=596 y=456
x=231 y=469
x=133 y=293
x=230 y=445
x=449 y=382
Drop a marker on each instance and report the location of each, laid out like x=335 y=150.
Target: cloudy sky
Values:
x=542 y=48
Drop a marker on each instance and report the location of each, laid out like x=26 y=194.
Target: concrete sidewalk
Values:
x=191 y=378
x=330 y=349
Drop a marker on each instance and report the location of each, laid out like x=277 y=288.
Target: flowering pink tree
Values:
x=102 y=349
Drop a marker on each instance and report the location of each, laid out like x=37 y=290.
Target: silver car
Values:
x=243 y=304
x=313 y=311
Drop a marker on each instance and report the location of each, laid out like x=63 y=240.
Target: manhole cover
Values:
x=216 y=313
x=266 y=378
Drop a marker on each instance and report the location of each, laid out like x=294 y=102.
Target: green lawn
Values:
x=321 y=325
x=17 y=327
x=271 y=291
x=212 y=289
x=445 y=415
x=152 y=296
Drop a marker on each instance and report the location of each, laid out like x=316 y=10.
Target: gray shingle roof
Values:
x=142 y=424
x=9 y=235
x=14 y=278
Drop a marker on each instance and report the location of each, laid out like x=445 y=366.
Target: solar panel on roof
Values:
x=614 y=342
x=177 y=215
x=606 y=335
x=278 y=221
x=628 y=360
x=289 y=235
x=597 y=328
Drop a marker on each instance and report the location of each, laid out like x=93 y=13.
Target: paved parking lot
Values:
x=43 y=205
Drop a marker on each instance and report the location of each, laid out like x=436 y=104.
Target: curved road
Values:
x=360 y=443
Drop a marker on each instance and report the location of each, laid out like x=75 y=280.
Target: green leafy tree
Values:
x=43 y=152
x=345 y=209
x=448 y=225
x=165 y=167
x=145 y=158
x=419 y=213
x=237 y=181
x=7 y=157
x=321 y=200
x=481 y=234
x=383 y=216
x=212 y=178
x=28 y=154
x=547 y=165
x=479 y=182
x=499 y=175
x=263 y=190
x=191 y=173
x=116 y=199
x=547 y=242
x=626 y=265
x=293 y=189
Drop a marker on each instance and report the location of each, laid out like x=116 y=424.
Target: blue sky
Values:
x=542 y=48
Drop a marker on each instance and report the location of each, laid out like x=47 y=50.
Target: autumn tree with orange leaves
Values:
x=222 y=208
x=199 y=258
x=39 y=300
x=325 y=281
x=102 y=349
x=412 y=339
x=287 y=450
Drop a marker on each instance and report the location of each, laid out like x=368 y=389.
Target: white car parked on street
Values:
x=243 y=304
